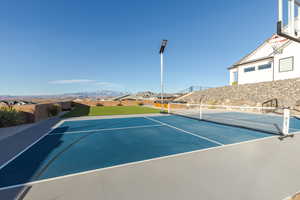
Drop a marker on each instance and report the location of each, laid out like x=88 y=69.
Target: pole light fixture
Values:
x=163 y=46
x=161 y=52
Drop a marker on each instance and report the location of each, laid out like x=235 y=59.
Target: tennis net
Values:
x=267 y=119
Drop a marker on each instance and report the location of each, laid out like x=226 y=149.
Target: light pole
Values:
x=161 y=52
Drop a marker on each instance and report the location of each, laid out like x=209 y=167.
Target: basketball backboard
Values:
x=288 y=24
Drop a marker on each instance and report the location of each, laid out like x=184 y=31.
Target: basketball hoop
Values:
x=276 y=42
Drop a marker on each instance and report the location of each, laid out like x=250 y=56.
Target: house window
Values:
x=266 y=66
x=286 y=64
x=249 y=69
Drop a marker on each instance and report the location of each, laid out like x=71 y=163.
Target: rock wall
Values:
x=38 y=112
x=287 y=92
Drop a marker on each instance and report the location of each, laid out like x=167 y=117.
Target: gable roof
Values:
x=244 y=59
x=252 y=61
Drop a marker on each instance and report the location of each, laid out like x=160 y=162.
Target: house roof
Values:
x=252 y=61
x=242 y=61
x=120 y=97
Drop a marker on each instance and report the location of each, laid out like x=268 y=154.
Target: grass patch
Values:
x=110 y=110
x=79 y=110
x=121 y=110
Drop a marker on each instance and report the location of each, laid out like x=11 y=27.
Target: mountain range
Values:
x=96 y=94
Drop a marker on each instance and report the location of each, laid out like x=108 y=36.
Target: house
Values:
x=15 y=102
x=277 y=58
x=120 y=98
x=146 y=95
x=138 y=96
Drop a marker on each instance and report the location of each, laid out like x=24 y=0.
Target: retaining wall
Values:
x=38 y=112
x=287 y=92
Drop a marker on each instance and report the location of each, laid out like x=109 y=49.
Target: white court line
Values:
x=87 y=118
x=58 y=124
x=136 y=163
x=205 y=138
x=107 y=129
x=17 y=155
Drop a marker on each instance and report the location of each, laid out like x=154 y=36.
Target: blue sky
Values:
x=61 y=46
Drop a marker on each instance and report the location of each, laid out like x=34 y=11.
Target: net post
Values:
x=169 y=108
x=200 y=112
x=286 y=121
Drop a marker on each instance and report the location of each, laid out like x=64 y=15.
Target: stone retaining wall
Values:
x=38 y=112
x=287 y=92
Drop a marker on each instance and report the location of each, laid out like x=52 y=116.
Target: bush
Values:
x=234 y=83
x=140 y=103
x=53 y=110
x=10 y=117
x=212 y=107
x=212 y=102
x=99 y=104
x=73 y=104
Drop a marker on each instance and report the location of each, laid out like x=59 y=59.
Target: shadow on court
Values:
x=36 y=161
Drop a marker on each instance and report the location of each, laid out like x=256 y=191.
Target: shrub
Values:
x=73 y=104
x=234 y=83
x=140 y=103
x=99 y=104
x=53 y=110
x=10 y=117
x=212 y=102
x=212 y=107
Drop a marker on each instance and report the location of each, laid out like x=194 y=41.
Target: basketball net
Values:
x=276 y=42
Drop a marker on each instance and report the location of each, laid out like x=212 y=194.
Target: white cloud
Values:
x=72 y=81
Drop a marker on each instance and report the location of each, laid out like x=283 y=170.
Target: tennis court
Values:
x=79 y=147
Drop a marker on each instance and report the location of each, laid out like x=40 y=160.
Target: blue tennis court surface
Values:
x=80 y=146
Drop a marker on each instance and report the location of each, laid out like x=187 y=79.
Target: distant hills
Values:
x=101 y=94
x=96 y=94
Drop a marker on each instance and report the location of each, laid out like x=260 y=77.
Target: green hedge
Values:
x=53 y=110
